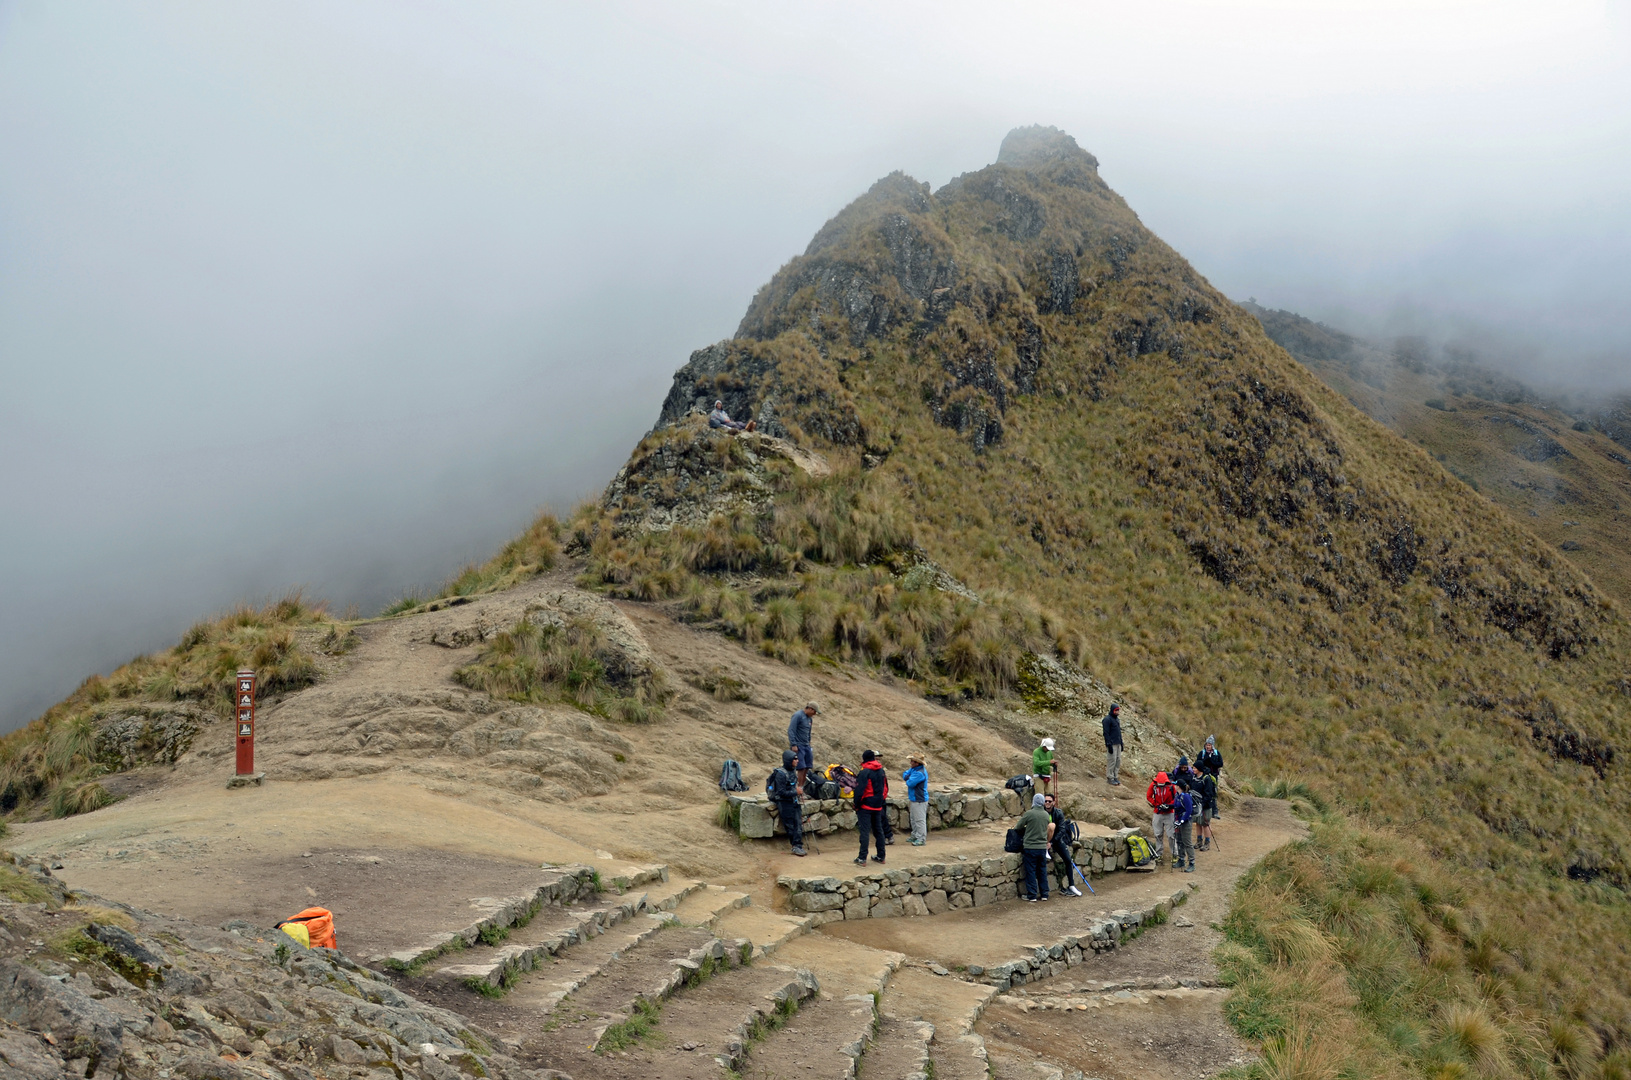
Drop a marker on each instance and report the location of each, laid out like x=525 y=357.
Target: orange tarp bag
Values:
x=317 y=922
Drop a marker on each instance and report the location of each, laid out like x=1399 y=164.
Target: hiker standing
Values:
x=1037 y=828
x=784 y=792
x=798 y=740
x=1211 y=763
x=1043 y=766
x=917 y=798
x=1161 y=795
x=1184 y=771
x=1112 y=745
x=1062 y=836
x=1209 y=810
x=1183 y=812
x=871 y=795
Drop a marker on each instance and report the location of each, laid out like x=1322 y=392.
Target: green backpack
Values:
x=1139 y=852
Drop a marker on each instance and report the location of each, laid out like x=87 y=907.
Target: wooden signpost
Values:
x=245 y=695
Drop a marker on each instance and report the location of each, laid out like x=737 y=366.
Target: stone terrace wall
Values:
x=948 y=806
x=934 y=887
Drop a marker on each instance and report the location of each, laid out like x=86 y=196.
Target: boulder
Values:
x=39 y=1003
x=815 y=901
x=756 y=822
x=859 y=908
x=936 y=901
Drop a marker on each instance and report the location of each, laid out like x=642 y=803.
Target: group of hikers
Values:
x=1183 y=803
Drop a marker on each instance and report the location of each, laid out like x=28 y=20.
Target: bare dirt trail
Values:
x=389 y=758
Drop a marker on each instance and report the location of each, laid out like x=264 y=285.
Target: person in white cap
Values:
x=1044 y=768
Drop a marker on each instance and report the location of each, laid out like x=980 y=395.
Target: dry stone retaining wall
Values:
x=935 y=887
x=948 y=807
x=1102 y=935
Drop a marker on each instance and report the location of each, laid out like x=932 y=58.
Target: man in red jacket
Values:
x=1162 y=795
x=871 y=793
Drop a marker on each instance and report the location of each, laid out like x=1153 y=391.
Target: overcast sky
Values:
x=339 y=294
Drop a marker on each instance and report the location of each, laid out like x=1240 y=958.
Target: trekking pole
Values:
x=1083 y=876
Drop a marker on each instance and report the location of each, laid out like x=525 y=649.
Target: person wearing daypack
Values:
x=871 y=802
x=1209 y=810
x=1043 y=766
x=1063 y=834
x=1112 y=745
x=1211 y=763
x=1037 y=829
x=1161 y=794
x=798 y=740
x=783 y=788
x=1184 y=771
x=917 y=798
x=1183 y=812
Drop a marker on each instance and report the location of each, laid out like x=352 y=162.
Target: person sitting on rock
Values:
x=719 y=418
x=784 y=792
x=1063 y=864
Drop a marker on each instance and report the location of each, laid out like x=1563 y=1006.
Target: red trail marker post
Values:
x=244 y=696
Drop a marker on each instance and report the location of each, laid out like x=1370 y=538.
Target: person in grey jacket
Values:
x=1112 y=744
x=798 y=740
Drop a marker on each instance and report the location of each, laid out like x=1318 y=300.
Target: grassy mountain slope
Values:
x=1559 y=467
x=1067 y=412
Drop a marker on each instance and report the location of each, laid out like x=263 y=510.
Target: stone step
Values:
x=823 y=1041
x=899 y=1050
x=579 y=1005
x=704 y=906
x=558 y=885
x=843 y=967
x=670 y=894
x=766 y=929
x=953 y=1006
x=553 y=930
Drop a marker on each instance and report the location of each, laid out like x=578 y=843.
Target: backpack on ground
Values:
x=315 y=925
x=1014 y=842
x=843 y=776
x=1139 y=852
x=730 y=777
x=829 y=790
x=813 y=785
x=1018 y=783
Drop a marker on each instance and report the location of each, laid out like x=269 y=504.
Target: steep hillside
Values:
x=1562 y=468
x=1015 y=378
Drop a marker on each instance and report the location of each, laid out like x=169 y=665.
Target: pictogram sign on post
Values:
x=245 y=695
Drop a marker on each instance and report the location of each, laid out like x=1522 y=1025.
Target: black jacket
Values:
x=871 y=787
x=1210 y=761
x=784 y=785
x=1209 y=791
x=1112 y=731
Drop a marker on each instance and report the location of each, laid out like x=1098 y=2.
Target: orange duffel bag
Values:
x=315 y=924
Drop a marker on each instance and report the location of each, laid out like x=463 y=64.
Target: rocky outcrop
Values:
x=134 y=734
x=126 y=993
x=687 y=473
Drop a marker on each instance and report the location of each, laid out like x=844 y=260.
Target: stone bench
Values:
x=949 y=806
x=932 y=888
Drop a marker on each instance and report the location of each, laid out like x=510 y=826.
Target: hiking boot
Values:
x=891 y=840
x=798 y=851
x=860 y=862
x=1074 y=891
x=1030 y=899
x=875 y=858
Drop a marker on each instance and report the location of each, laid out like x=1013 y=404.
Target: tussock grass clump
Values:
x=838 y=578
x=535 y=551
x=54 y=762
x=1351 y=953
x=571 y=661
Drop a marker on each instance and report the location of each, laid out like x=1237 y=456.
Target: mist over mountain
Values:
x=405 y=274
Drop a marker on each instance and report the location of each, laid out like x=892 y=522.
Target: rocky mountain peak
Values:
x=1037 y=146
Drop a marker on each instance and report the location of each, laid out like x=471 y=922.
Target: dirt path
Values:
x=1000 y=932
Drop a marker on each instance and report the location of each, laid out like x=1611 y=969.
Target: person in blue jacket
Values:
x=917 y=798
x=1184 y=808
